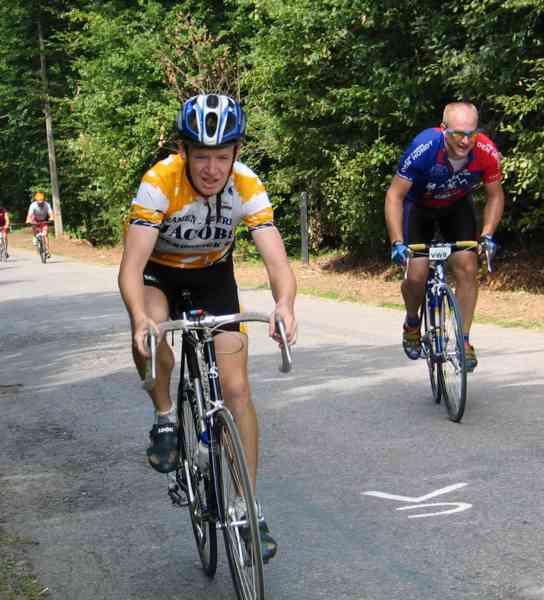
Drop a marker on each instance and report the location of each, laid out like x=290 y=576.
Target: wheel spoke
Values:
x=203 y=524
x=452 y=368
x=429 y=318
x=240 y=523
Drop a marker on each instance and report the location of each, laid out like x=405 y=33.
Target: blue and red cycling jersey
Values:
x=435 y=182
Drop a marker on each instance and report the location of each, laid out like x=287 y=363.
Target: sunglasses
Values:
x=458 y=135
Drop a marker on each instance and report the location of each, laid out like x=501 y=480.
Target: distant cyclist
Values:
x=181 y=235
x=433 y=186
x=4 y=227
x=39 y=214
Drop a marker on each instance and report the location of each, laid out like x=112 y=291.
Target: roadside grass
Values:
x=333 y=278
x=515 y=323
x=16 y=579
x=507 y=323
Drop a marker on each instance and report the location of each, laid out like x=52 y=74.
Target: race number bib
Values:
x=439 y=252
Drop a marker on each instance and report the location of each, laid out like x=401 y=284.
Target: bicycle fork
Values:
x=434 y=334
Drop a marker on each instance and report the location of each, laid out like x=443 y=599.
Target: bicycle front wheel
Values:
x=429 y=318
x=452 y=370
x=238 y=511
x=193 y=474
x=41 y=249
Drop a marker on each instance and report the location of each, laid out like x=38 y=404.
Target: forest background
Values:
x=334 y=91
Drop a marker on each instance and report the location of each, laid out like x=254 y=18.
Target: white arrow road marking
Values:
x=459 y=507
x=439 y=492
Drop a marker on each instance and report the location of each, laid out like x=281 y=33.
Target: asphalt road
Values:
x=456 y=511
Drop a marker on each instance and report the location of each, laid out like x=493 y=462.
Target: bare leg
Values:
x=156 y=306
x=465 y=268
x=232 y=360
x=413 y=287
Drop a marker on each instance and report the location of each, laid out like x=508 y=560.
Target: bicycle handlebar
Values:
x=212 y=322
x=460 y=245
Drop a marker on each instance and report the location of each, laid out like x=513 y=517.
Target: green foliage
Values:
x=352 y=202
x=23 y=151
x=334 y=89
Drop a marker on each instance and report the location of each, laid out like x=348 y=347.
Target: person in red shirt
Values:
x=4 y=226
x=433 y=187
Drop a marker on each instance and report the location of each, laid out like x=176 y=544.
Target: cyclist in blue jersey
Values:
x=433 y=187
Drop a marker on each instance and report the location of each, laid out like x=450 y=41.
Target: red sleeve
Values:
x=489 y=158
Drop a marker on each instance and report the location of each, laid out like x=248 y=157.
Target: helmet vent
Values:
x=193 y=122
x=231 y=123
x=211 y=124
x=212 y=101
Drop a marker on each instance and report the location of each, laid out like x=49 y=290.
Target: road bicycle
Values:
x=40 y=245
x=212 y=478
x=442 y=342
x=3 y=248
x=39 y=236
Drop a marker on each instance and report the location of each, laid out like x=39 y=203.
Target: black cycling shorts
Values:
x=455 y=223
x=212 y=288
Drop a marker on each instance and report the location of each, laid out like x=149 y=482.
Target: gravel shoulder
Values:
x=513 y=296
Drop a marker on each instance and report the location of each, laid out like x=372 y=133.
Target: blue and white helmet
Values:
x=211 y=120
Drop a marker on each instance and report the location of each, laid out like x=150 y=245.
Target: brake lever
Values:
x=151 y=363
x=488 y=258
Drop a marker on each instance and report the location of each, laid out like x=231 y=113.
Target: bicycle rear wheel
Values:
x=452 y=370
x=429 y=317
x=196 y=480
x=238 y=511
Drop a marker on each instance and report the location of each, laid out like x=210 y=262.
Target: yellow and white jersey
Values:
x=194 y=231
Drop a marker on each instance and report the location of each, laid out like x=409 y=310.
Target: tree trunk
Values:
x=59 y=231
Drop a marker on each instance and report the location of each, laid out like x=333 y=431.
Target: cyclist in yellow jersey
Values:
x=180 y=236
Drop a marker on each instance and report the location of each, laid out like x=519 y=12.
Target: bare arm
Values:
x=139 y=244
x=494 y=207
x=6 y=217
x=282 y=279
x=394 y=207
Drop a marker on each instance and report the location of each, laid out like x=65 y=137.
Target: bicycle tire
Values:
x=427 y=349
x=238 y=510
x=41 y=249
x=202 y=506
x=3 y=251
x=452 y=370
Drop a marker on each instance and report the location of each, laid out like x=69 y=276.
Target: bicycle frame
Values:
x=434 y=294
x=197 y=340
x=195 y=345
